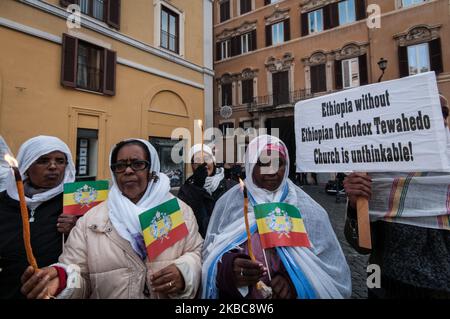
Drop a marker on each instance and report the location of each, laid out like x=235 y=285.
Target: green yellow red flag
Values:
x=80 y=197
x=280 y=224
x=162 y=227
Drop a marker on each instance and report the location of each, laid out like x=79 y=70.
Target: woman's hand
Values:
x=39 y=284
x=281 y=288
x=357 y=185
x=168 y=280
x=65 y=223
x=247 y=272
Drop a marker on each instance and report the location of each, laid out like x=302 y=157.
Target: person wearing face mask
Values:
x=319 y=271
x=203 y=189
x=45 y=163
x=105 y=254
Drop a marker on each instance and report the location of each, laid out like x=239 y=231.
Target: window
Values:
x=224 y=10
x=280 y=87
x=247 y=91
x=315 y=19
x=350 y=73
x=227 y=94
x=277 y=33
x=87 y=154
x=318 y=78
x=407 y=3
x=246 y=6
x=165 y=147
x=347 y=13
x=103 y=10
x=87 y=66
x=225 y=49
x=267 y=2
x=169 y=30
x=418 y=58
x=245 y=43
x=226 y=128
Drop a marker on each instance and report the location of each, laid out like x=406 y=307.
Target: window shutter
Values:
x=334 y=15
x=403 y=61
x=218 y=51
x=363 y=74
x=338 y=74
x=253 y=40
x=327 y=17
x=247 y=91
x=436 y=56
x=266 y=2
x=304 y=22
x=236 y=45
x=287 y=30
x=69 y=61
x=360 y=9
x=66 y=3
x=322 y=77
x=268 y=35
x=318 y=78
x=109 y=73
x=113 y=14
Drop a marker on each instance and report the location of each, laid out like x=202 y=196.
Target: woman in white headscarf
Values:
x=105 y=255
x=45 y=163
x=320 y=271
x=203 y=189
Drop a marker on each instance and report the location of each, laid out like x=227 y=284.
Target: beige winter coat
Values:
x=109 y=266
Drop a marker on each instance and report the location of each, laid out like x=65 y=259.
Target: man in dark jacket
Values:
x=207 y=184
x=45 y=164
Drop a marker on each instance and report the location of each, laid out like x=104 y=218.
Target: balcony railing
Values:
x=270 y=101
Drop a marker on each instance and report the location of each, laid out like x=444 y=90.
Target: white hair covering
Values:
x=29 y=152
x=198 y=148
x=323 y=264
x=124 y=214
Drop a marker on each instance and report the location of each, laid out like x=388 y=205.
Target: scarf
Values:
x=124 y=214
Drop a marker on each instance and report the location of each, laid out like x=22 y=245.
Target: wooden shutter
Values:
x=247 y=91
x=113 y=13
x=253 y=40
x=218 y=51
x=109 y=73
x=304 y=22
x=363 y=74
x=338 y=74
x=69 y=61
x=66 y=3
x=287 y=30
x=268 y=35
x=360 y=9
x=326 y=17
x=403 y=64
x=236 y=45
x=434 y=47
x=318 y=78
x=334 y=14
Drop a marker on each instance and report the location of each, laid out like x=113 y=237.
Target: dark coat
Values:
x=201 y=202
x=46 y=241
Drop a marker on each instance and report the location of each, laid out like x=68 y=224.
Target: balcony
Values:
x=270 y=102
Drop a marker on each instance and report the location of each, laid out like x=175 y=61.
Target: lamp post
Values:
x=382 y=64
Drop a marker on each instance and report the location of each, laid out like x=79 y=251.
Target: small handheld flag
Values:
x=280 y=224
x=162 y=227
x=80 y=197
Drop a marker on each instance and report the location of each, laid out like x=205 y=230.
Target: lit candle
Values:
x=23 y=211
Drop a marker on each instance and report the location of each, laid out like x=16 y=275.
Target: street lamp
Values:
x=382 y=65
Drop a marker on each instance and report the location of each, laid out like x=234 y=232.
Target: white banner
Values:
x=389 y=126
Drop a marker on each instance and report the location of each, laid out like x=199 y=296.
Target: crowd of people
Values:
x=104 y=254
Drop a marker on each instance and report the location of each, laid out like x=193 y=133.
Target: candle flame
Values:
x=11 y=160
x=241 y=182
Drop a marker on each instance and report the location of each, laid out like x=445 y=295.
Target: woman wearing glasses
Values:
x=105 y=255
x=203 y=189
x=45 y=163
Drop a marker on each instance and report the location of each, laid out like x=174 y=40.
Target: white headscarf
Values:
x=29 y=152
x=124 y=214
x=323 y=265
x=211 y=182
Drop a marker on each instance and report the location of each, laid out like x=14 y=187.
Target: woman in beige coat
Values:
x=105 y=255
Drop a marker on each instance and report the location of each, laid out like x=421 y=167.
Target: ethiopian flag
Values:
x=82 y=196
x=280 y=224
x=162 y=227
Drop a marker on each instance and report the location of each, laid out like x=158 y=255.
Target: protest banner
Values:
x=390 y=126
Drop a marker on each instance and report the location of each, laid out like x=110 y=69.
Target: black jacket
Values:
x=46 y=241
x=201 y=202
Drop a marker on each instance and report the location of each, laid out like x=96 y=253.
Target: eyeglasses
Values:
x=46 y=162
x=121 y=167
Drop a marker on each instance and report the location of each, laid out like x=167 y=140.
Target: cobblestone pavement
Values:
x=336 y=212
